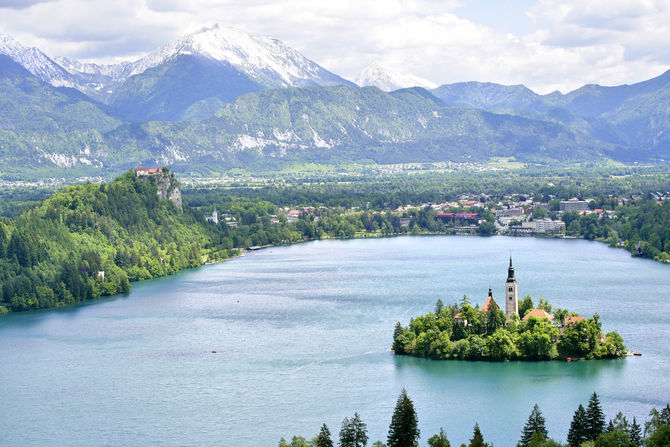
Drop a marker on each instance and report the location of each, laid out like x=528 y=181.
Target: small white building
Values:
x=214 y=217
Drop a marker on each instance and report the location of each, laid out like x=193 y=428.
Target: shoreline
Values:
x=241 y=252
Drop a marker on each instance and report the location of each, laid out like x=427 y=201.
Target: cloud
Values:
x=20 y=4
x=574 y=42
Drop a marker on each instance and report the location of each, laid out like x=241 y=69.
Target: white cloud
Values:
x=604 y=41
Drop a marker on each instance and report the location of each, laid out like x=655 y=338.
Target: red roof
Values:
x=539 y=313
x=444 y=215
x=487 y=305
x=572 y=320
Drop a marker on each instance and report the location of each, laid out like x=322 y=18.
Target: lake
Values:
x=302 y=336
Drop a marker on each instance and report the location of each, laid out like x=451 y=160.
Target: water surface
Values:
x=302 y=336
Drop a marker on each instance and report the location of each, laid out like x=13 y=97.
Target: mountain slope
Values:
x=41 y=125
x=194 y=76
x=168 y=91
x=342 y=123
x=387 y=79
x=488 y=96
x=36 y=62
x=266 y=60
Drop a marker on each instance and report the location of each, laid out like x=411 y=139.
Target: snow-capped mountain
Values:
x=36 y=62
x=388 y=79
x=266 y=60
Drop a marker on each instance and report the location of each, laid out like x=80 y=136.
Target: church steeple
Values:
x=510 y=271
x=511 y=292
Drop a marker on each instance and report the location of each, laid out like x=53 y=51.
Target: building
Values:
x=574 y=205
x=214 y=217
x=142 y=171
x=489 y=305
x=511 y=293
x=459 y=219
x=539 y=313
x=545 y=226
x=511 y=212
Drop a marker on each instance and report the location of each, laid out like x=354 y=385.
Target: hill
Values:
x=91 y=240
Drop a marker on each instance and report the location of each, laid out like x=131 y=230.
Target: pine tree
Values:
x=595 y=419
x=360 y=431
x=577 y=432
x=323 y=438
x=403 y=431
x=346 y=435
x=438 y=307
x=610 y=427
x=635 y=434
x=477 y=438
x=534 y=424
x=397 y=332
x=353 y=432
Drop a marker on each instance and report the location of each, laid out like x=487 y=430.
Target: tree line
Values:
x=587 y=429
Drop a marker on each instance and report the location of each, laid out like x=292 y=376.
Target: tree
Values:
x=323 y=438
x=477 y=438
x=486 y=229
x=635 y=434
x=615 y=438
x=577 y=431
x=439 y=440
x=525 y=306
x=296 y=441
x=595 y=419
x=397 y=344
x=534 y=424
x=659 y=438
x=438 y=307
x=658 y=419
x=353 y=432
x=403 y=431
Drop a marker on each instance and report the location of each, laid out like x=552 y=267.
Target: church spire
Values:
x=510 y=271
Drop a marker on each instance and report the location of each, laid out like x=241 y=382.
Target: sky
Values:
x=546 y=45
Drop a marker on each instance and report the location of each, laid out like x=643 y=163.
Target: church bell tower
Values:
x=511 y=294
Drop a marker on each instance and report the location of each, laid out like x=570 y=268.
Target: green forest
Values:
x=464 y=332
x=587 y=429
x=92 y=240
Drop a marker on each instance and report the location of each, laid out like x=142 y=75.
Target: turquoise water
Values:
x=302 y=336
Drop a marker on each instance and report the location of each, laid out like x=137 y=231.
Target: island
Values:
x=521 y=332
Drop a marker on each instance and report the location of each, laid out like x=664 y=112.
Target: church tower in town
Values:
x=511 y=293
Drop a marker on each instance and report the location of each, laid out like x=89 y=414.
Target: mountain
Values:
x=387 y=79
x=266 y=60
x=36 y=62
x=187 y=79
x=489 y=96
x=194 y=76
x=184 y=87
x=42 y=127
x=343 y=124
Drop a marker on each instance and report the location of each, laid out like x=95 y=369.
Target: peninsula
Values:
x=521 y=332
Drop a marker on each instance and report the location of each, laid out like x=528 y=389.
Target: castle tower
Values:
x=511 y=293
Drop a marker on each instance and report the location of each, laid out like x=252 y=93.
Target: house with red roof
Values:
x=539 y=313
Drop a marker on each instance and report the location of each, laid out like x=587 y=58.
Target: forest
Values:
x=464 y=332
